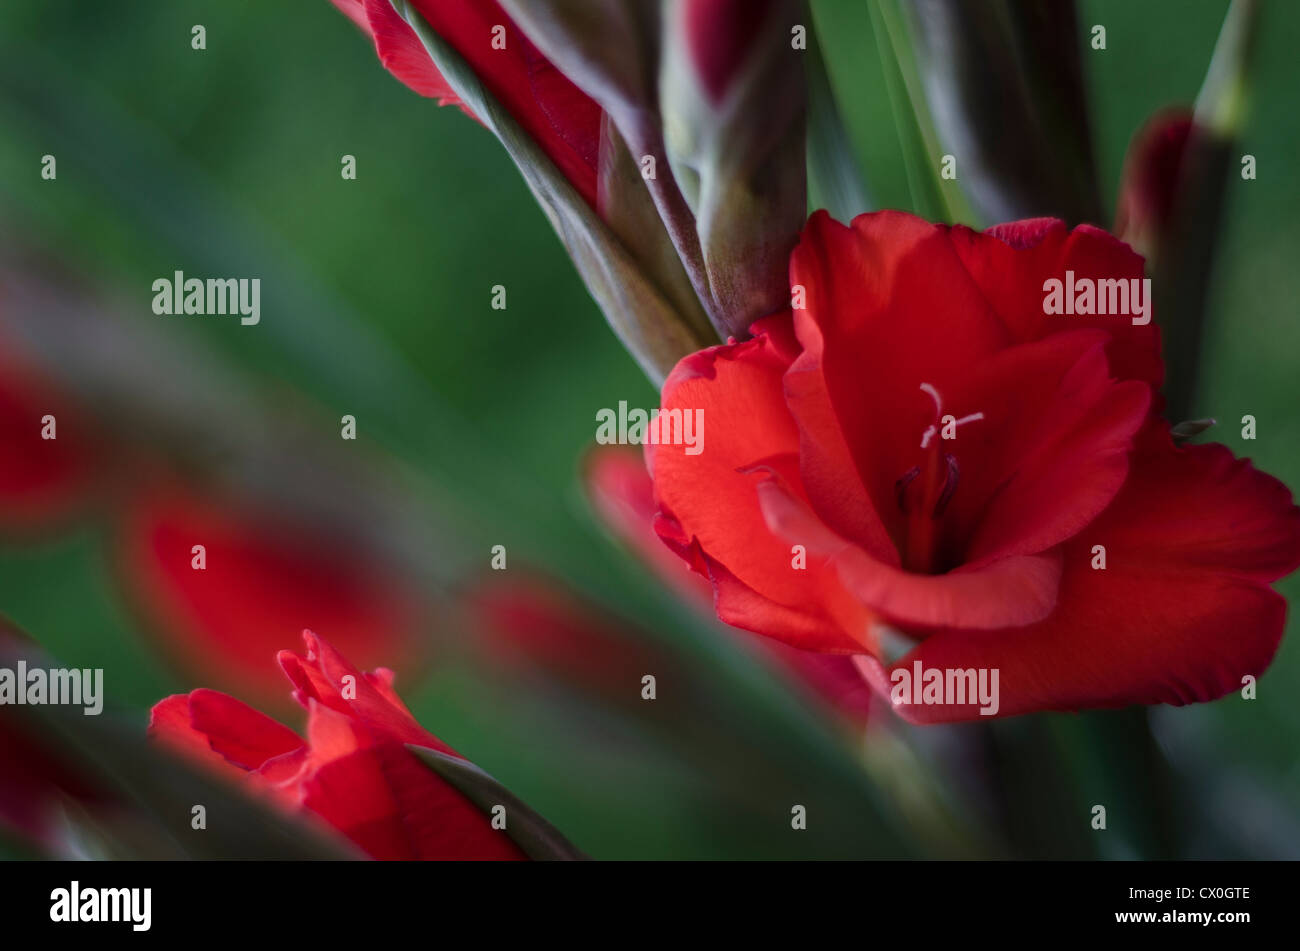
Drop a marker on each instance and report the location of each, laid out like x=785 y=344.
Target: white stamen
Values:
x=938 y=413
x=934 y=395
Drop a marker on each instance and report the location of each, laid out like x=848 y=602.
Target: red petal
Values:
x=323 y=676
x=354 y=10
x=1016 y=590
x=738 y=389
x=1181 y=612
x=1050 y=453
x=396 y=808
x=1011 y=262
x=235 y=730
x=559 y=117
x=401 y=51
x=890 y=306
x=826 y=618
x=171 y=724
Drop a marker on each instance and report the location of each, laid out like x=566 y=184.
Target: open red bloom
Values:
x=353 y=770
x=562 y=119
x=923 y=451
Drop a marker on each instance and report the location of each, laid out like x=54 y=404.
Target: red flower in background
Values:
x=42 y=480
x=353 y=770
x=623 y=495
x=535 y=625
x=830 y=430
x=562 y=119
x=264 y=579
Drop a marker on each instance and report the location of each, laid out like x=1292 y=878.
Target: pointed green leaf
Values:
x=1184 y=258
x=834 y=178
x=933 y=196
x=1004 y=81
x=534 y=835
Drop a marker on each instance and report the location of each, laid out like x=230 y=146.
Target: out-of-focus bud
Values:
x=1005 y=85
x=733 y=104
x=640 y=311
x=610 y=49
x=1171 y=200
x=1151 y=180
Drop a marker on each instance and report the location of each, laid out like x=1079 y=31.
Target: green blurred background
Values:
x=376 y=302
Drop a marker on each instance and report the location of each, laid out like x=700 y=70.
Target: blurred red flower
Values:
x=52 y=460
x=950 y=456
x=353 y=770
x=562 y=119
x=264 y=578
x=622 y=493
x=535 y=625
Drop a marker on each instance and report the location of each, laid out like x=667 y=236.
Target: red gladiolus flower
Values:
x=961 y=468
x=263 y=578
x=562 y=119
x=353 y=771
